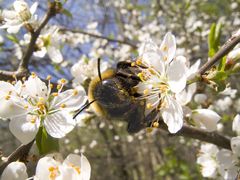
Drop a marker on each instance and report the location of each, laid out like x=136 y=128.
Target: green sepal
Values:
x=46 y=144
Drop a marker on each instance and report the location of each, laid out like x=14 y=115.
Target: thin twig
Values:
x=127 y=42
x=34 y=36
x=202 y=135
x=20 y=153
x=220 y=54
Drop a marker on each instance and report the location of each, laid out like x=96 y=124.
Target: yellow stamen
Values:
x=55 y=94
x=149 y=106
x=155 y=124
x=63 y=81
x=149 y=130
x=75 y=167
x=63 y=105
x=33 y=120
x=165 y=58
x=33 y=74
x=41 y=99
x=141 y=76
x=59 y=86
x=25 y=106
x=75 y=92
x=50 y=86
x=139 y=62
x=133 y=64
x=165 y=48
x=24 y=79
x=49 y=77
x=146 y=91
x=7 y=97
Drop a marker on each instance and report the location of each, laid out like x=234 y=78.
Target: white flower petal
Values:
x=206 y=119
x=72 y=101
x=225 y=158
x=81 y=162
x=235 y=145
x=54 y=54
x=193 y=70
x=42 y=169
x=24 y=128
x=59 y=124
x=15 y=171
x=35 y=88
x=173 y=115
x=34 y=8
x=176 y=74
x=147 y=46
x=155 y=60
x=185 y=96
x=236 y=124
x=168 y=46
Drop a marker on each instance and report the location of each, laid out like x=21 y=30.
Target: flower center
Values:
x=53 y=172
x=76 y=168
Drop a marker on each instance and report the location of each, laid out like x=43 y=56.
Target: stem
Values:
x=20 y=153
x=220 y=54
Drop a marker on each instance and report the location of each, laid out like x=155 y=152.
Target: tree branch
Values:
x=220 y=54
x=20 y=153
x=34 y=36
x=202 y=135
x=127 y=42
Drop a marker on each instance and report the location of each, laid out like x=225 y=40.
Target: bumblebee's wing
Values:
x=136 y=119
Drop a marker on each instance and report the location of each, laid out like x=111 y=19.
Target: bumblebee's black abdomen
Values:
x=114 y=100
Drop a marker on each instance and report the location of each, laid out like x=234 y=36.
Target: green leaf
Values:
x=211 y=39
x=67 y=13
x=46 y=143
x=12 y=38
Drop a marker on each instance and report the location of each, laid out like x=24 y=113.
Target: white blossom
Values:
x=32 y=104
x=86 y=68
x=164 y=76
x=205 y=119
x=15 y=171
x=20 y=15
x=74 y=167
x=236 y=124
x=48 y=42
x=207 y=160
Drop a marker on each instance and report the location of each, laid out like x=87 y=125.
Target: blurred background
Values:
x=113 y=30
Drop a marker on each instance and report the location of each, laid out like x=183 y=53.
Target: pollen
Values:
x=49 y=77
x=59 y=86
x=53 y=172
x=141 y=76
x=75 y=92
x=149 y=130
x=155 y=124
x=24 y=79
x=165 y=58
x=7 y=97
x=33 y=74
x=75 y=167
x=50 y=86
x=63 y=105
x=25 y=106
x=63 y=81
x=33 y=120
x=165 y=48
x=139 y=62
x=146 y=91
x=41 y=99
x=149 y=106
x=133 y=64
x=55 y=94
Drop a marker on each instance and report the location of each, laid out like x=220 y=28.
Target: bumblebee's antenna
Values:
x=99 y=70
x=84 y=107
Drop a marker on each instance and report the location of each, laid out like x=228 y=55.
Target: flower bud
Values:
x=15 y=171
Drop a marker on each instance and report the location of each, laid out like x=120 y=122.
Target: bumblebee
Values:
x=112 y=95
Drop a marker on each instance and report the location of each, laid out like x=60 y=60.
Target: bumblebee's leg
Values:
x=152 y=116
x=136 y=120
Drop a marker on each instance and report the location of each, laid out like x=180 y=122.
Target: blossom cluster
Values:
x=32 y=104
x=51 y=167
x=217 y=162
x=164 y=86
